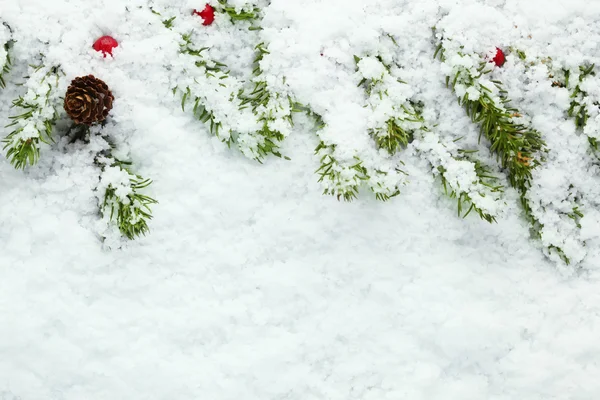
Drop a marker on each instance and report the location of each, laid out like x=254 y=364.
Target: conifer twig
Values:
x=585 y=105
x=342 y=177
x=518 y=147
x=397 y=120
x=394 y=118
x=214 y=75
x=272 y=109
x=37 y=116
x=248 y=12
x=5 y=61
x=120 y=195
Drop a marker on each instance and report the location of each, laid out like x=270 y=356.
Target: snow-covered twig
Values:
x=5 y=61
x=272 y=108
x=120 y=195
x=519 y=148
x=584 y=87
x=38 y=115
x=396 y=120
x=248 y=11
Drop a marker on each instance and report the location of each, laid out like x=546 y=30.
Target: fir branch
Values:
x=402 y=121
x=338 y=180
x=584 y=106
x=5 y=63
x=35 y=122
x=5 y=46
x=213 y=74
x=343 y=178
x=247 y=13
x=584 y=110
x=122 y=201
x=516 y=145
x=341 y=181
x=272 y=109
x=395 y=131
x=578 y=108
x=463 y=178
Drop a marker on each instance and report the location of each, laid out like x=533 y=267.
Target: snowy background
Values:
x=251 y=284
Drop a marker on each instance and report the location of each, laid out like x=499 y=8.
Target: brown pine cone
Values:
x=88 y=100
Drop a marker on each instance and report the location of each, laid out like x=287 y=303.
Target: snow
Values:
x=253 y=285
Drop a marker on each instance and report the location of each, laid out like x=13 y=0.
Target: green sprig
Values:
x=514 y=144
x=132 y=214
x=23 y=152
x=6 y=67
x=578 y=110
x=235 y=15
x=269 y=139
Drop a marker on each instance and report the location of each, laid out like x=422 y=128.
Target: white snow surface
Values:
x=251 y=284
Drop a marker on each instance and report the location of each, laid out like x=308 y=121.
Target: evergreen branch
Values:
x=389 y=97
x=343 y=178
x=123 y=202
x=341 y=181
x=465 y=200
x=35 y=122
x=215 y=75
x=273 y=111
x=517 y=146
x=463 y=178
x=487 y=104
x=5 y=61
x=584 y=106
x=396 y=131
x=236 y=14
x=548 y=220
x=204 y=114
x=578 y=108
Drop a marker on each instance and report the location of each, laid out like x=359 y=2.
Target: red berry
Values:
x=105 y=44
x=499 y=59
x=208 y=14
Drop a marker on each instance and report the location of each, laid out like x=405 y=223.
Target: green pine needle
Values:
x=6 y=67
x=131 y=215
x=244 y=15
x=330 y=172
x=269 y=140
x=578 y=109
x=23 y=152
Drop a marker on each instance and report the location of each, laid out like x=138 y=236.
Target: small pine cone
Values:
x=88 y=100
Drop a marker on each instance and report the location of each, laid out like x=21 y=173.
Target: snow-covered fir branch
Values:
x=339 y=179
x=392 y=119
x=239 y=10
x=37 y=115
x=5 y=61
x=210 y=89
x=519 y=148
x=120 y=194
x=463 y=177
x=583 y=86
x=342 y=174
x=584 y=89
x=396 y=120
x=272 y=107
x=558 y=214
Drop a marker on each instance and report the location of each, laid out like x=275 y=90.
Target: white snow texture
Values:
x=253 y=285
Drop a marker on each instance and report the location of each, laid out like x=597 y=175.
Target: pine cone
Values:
x=88 y=100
